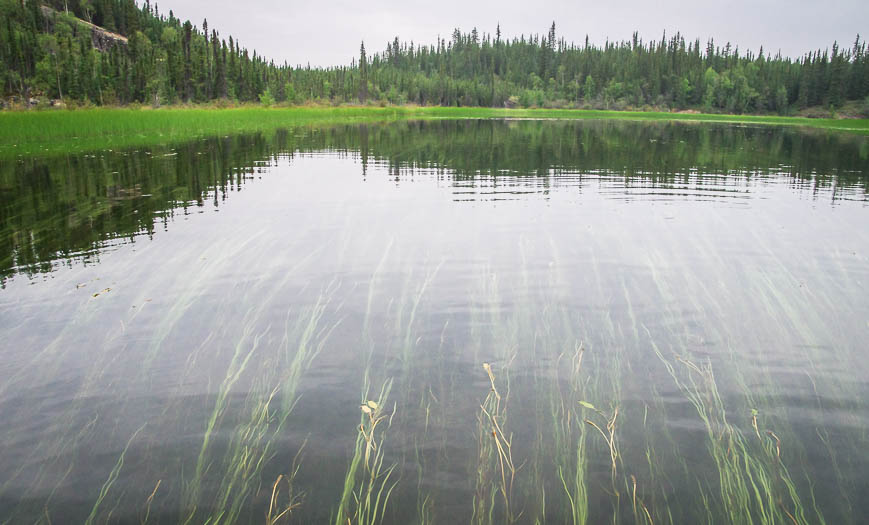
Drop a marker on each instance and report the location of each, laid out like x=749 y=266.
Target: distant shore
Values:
x=69 y=131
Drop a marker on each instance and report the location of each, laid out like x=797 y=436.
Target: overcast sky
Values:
x=328 y=32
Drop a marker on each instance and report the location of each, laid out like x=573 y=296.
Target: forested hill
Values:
x=48 y=52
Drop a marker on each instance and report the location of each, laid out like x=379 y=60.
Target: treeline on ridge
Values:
x=47 y=50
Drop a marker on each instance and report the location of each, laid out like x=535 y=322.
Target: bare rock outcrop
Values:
x=102 y=39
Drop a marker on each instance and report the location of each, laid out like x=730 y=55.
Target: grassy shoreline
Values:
x=67 y=131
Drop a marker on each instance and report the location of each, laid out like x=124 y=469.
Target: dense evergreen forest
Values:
x=110 y=52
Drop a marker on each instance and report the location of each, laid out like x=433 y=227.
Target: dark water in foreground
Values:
x=561 y=322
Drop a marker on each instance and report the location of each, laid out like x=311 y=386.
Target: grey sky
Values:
x=329 y=32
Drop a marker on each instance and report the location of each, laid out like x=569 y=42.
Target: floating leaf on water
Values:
x=365 y=409
x=586 y=404
x=372 y=405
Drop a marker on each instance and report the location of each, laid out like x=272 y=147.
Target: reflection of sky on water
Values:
x=425 y=274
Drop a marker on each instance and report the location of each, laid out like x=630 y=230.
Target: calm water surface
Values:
x=560 y=322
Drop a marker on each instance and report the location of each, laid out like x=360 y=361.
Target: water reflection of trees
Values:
x=60 y=208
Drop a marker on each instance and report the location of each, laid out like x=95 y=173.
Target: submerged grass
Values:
x=369 y=481
x=252 y=442
x=496 y=470
x=113 y=477
x=590 y=444
x=570 y=441
x=754 y=484
x=55 y=132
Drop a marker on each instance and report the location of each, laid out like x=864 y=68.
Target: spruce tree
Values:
x=363 y=74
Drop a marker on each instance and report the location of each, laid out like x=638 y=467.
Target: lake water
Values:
x=440 y=322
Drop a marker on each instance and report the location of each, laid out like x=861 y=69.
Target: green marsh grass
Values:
x=64 y=131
